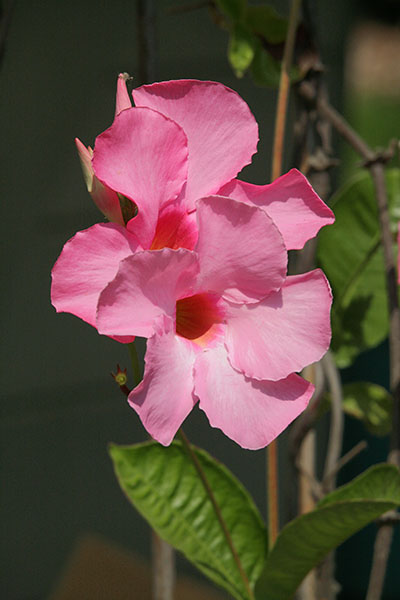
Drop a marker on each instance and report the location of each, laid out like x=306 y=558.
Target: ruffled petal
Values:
x=284 y=332
x=105 y=199
x=122 y=100
x=165 y=397
x=222 y=132
x=252 y=413
x=144 y=290
x=87 y=263
x=241 y=252
x=290 y=201
x=143 y=155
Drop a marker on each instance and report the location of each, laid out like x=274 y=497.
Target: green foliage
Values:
x=234 y=9
x=254 y=31
x=371 y=404
x=240 y=49
x=264 y=21
x=265 y=70
x=351 y=255
x=305 y=541
x=165 y=488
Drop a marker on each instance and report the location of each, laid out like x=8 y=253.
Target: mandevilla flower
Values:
x=201 y=269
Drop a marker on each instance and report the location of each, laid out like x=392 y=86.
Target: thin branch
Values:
x=336 y=425
x=309 y=417
x=217 y=511
x=343 y=460
x=383 y=541
x=283 y=93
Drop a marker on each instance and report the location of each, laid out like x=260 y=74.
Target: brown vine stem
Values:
x=217 y=511
x=276 y=170
x=283 y=92
x=375 y=163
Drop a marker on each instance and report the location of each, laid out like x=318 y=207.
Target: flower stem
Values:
x=217 y=511
x=276 y=170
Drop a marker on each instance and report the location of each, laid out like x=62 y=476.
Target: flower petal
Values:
x=122 y=100
x=143 y=155
x=222 y=132
x=241 y=252
x=297 y=210
x=145 y=288
x=164 y=398
x=252 y=413
x=87 y=263
x=176 y=228
x=105 y=199
x=284 y=332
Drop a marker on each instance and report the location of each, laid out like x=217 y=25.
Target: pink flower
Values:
x=225 y=326
x=184 y=140
x=201 y=269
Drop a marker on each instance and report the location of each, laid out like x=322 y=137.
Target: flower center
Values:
x=196 y=315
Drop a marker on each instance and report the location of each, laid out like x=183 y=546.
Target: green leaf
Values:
x=379 y=483
x=350 y=254
x=266 y=22
x=240 y=49
x=371 y=404
x=165 y=488
x=234 y=9
x=265 y=70
x=304 y=542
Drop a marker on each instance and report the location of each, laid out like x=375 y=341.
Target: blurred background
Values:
x=63 y=517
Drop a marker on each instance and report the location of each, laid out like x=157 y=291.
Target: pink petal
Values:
x=252 y=413
x=164 y=398
x=87 y=263
x=143 y=155
x=145 y=289
x=284 y=332
x=222 y=133
x=122 y=100
x=106 y=200
x=175 y=228
x=291 y=202
x=241 y=252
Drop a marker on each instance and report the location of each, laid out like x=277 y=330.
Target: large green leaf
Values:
x=350 y=254
x=305 y=541
x=165 y=488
